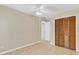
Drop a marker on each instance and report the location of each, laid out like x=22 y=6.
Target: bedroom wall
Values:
x=74 y=12
x=17 y=29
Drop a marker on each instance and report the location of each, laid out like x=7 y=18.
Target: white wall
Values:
x=74 y=12
x=52 y=31
x=42 y=30
x=17 y=29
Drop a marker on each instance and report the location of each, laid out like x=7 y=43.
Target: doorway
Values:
x=45 y=30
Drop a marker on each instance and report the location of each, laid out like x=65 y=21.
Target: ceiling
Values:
x=48 y=10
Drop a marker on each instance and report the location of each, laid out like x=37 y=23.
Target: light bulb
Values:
x=39 y=13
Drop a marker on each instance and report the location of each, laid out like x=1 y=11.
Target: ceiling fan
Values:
x=39 y=9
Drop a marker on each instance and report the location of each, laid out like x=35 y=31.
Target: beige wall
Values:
x=52 y=31
x=74 y=12
x=17 y=29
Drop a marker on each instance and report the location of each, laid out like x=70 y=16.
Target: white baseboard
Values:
x=52 y=43
x=77 y=50
x=19 y=48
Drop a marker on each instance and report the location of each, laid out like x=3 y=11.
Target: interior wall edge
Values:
x=52 y=29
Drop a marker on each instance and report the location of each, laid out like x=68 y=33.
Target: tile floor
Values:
x=43 y=48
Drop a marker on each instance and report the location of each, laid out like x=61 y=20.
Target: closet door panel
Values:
x=72 y=32
x=66 y=32
x=61 y=34
x=57 y=32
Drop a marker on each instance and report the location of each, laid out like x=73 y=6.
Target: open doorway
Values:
x=45 y=30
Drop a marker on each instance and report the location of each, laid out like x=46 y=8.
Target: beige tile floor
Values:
x=43 y=48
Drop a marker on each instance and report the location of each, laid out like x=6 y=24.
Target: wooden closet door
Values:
x=59 y=37
x=72 y=33
x=61 y=33
x=57 y=23
x=66 y=32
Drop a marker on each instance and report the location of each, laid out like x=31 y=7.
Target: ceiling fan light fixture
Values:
x=42 y=7
x=39 y=13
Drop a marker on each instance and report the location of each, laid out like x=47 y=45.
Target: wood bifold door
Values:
x=65 y=32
